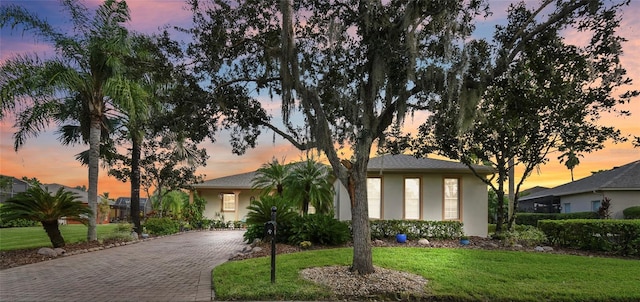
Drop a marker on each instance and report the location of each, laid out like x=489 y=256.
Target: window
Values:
x=451 y=199
x=374 y=196
x=412 y=198
x=595 y=205
x=566 y=208
x=228 y=202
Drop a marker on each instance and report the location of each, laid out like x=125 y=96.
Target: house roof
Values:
x=409 y=163
x=390 y=163
x=532 y=190
x=53 y=188
x=626 y=177
x=238 y=181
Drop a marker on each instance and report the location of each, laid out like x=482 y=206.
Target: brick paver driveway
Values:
x=173 y=268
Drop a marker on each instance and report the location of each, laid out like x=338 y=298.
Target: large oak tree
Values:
x=544 y=94
x=343 y=72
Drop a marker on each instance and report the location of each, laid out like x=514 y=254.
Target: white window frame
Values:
x=226 y=202
x=374 y=198
x=451 y=204
x=412 y=200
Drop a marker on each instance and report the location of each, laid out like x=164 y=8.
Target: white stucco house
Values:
x=620 y=184
x=227 y=197
x=406 y=187
x=399 y=187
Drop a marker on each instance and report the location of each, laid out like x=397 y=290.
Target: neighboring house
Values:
x=121 y=208
x=11 y=186
x=406 y=187
x=82 y=195
x=620 y=184
x=549 y=204
x=227 y=197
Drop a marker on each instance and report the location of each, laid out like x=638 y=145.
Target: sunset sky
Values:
x=45 y=158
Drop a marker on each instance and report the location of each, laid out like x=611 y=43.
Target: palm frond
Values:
x=37 y=204
x=33 y=120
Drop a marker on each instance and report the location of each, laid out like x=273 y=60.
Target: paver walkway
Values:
x=173 y=268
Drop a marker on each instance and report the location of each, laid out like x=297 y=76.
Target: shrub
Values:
x=631 y=213
x=525 y=235
x=123 y=228
x=319 y=229
x=604 y=212
x=533 y=218
x=122 y=232
x=193 y=212
x=381 y=229
x=305 y=245
x=254 y=231
x=17 y=223
x=260 y=210
x=615 y=236
x=162 y=226
x=260 y=213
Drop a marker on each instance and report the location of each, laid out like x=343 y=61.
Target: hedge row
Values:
x=615 y=236
x=533 y=218
x=415 y=229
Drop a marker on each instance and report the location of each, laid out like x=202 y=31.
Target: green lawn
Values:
x=34 y=237
x=453 y=274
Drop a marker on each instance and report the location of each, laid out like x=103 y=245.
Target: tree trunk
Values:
x=135 y=183
x=357 y=188
x=94 y=165
x=51 y=227
x=160 y=208
x=305 y=202
x=512 y=188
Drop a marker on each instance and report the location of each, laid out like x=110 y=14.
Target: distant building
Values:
x=121 y=209
x=10 y=186
x=620 y=184
x=549 y=204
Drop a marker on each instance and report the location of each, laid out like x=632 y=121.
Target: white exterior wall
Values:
x=620 y=200
x=473 y=208
x=432 y=197
x=214 y=203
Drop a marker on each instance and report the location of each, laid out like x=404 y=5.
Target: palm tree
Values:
x=309 y=183
x=85 y=71
x=37 y=204
x=271 y=177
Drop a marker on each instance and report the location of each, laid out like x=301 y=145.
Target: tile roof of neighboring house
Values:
x=83 y=195
x=391 y=163
x=403 y=162
x=626 y=177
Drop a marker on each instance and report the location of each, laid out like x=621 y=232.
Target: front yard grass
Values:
x=453 y=274
x=34 y=237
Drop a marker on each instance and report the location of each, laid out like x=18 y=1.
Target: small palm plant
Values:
x=37 y=204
